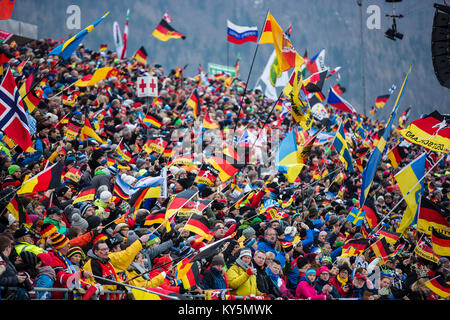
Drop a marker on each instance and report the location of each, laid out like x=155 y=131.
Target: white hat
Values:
x=245 y=252
x=105 y=196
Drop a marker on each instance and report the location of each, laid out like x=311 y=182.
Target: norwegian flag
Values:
x=167 y=17
x=13 y=117
x=430 y=160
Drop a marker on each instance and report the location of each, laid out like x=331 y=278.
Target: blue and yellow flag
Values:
x=340 y=144
x=288 y=158
x=372 y=165
x=408 y=181
x=356 y=216
x=65 y=50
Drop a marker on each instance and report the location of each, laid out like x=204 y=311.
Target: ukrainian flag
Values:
x=340 y=144
x=408 y=181
x=288 y=158
x=372 y=165
x=65 y=50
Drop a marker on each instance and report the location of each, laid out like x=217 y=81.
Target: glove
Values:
x=250 y=271
x=164 y=274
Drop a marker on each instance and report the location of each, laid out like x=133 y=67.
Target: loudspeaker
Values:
x=440 y=44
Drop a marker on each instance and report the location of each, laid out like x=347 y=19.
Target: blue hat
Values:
x=310 y=271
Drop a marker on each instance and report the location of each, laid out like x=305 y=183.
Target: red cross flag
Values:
x=147 y=86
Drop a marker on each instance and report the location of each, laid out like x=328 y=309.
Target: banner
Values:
x=214 y=69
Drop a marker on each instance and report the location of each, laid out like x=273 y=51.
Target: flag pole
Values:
x=398 y=203
x=138 y=288
x=249 y=73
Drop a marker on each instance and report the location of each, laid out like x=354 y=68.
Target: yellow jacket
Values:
x=242 y=283
x=142 y=282
x=118 y=260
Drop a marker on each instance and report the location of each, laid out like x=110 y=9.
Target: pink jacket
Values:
x=306 y=291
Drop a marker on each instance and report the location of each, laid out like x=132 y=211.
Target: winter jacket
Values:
x=57 y=224
x=45 y=279
x=266 y=246
x=143 y=281
x=241 y=283
x=334 y=281
x=24 y=246
x=306 y=290
x=320 y=283
x=214 y=279
x=151 y=253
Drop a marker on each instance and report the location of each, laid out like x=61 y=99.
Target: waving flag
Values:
x=124 y=151
x=339 y=103
x=226 y=166
x=207 y=175
x=286 y=54
x=65 y=50
x=122 y=189
x=397 y=155
x=408 y=181
x=441 y=243
x=340 y=144
x=99 y=75
x=317 y=63
x=239 y=34
x=125 y=37
x=199 y=225
x=440 y=286
x=356 y=216
x=432 y=215
x=194 y=103
x=88 y=132
x=49 y=178
x=13 y=116
x=165 y=32
x=372 y=165
x=141 y=55
x=288 y=159
x=431 y=131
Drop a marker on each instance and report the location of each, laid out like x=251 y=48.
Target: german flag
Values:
x=110 y=161
x=380 y=101
x=74 y=174
x=29 y=97
x=371 y=215
x=208 y=123
x=431 y=215
x=155 y=144
x=441 y=243
x=391 y=237
x=49 y=178
x=72 y=129
x=154 y=120
x=381 y=248
x=199 y=225
x=194 y=102
x=188 y=273
x=179 y=201
x=141 y=55
x=424 y=249
x=168 y=152
x=230 y=151
x=103 y=47
x=354 y=247
x=182 y=160
x=226 y=167
x=124 y=151
x=87 y=194
x=194 y=206
x=88 y=132
x=431 y=132
x=144 y=193
x=155 y=218
x=16 y=208
x=397 y=155
x=207 y=175
x=440 y=286
x=164 y=32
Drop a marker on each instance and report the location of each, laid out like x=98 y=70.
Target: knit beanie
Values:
x=245 y=252
x=84 y=208
x=13 y=168
x=75 y=250
x=78 y=221
x=248 y=232
x=58 y=240
x=105 y=196
x=310 y=271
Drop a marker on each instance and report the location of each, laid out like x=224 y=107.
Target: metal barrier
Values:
x=67 y=290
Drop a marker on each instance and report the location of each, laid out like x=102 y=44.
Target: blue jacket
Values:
x=309 y=238
x=266 y=246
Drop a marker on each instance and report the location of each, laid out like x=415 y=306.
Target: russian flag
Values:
x=339 y=103
x=239 y=34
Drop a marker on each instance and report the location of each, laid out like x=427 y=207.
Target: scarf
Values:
x=341 y=281
x=243 y=265
x=276 y=279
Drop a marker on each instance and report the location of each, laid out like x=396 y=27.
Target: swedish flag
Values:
x=408 y=181
x=65 y=50
x=340 y=144
x=356 y=216
x=371 y=168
